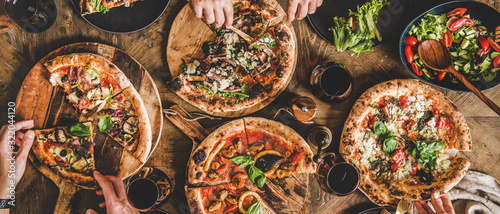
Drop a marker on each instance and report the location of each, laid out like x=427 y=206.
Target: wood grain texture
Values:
x=185 y=43
x=38 y=194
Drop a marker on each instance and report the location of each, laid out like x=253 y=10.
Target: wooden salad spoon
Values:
x=435 y=55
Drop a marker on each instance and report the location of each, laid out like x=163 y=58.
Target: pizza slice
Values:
x=254 y=17
x=225 y=198
x=68 y=151
x=102 y=6
x=88 y=79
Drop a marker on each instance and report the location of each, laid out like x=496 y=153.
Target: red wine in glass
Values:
x=343 y=178
x=143 y=193
x=33 y=16
x=150 y=188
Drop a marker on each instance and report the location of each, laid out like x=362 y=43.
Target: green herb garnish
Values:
x=79 y=130
x=425 y=153
x=96 y=4
x=105 y=123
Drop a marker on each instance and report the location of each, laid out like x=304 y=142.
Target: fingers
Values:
x=448 y=206
x=91 y=211
x=292 y=9
x=437 y=203
x=24 y=148
x=318 y=3
x=301 y=11
x=102 y=205
x=209 y=15
x=198 y=9
x=118 y=186
x=312 y=7
x=228 y=15
x=98 y=192
x=422 y=207
x=106 y=186
x=419 y=207
x=25 y=124
x=219 y=17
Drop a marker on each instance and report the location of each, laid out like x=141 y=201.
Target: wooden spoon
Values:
x=436 y=56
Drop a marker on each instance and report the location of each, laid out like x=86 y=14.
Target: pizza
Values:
x=398 y=134
x=233 y=74
x=239 y=157
x=104 y=98
x=72 y=157
x=102 y=6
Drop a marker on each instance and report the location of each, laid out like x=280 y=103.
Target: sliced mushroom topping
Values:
x=213 y=175
x=256 y=147
x=229 y=152
x=41 y=137
x=215 y=165
x=128 y=104
x=61 y=136
x=130 y=129
x=116 y=119
x=52 y=136
x=238 y=144
x=222 y=194
x=215 y=206
x=132 y=121
x=231 y=199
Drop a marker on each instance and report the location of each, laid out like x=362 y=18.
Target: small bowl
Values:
x=490 y=19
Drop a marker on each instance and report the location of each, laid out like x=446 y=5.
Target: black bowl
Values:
x=126 y=19
x=490 y=19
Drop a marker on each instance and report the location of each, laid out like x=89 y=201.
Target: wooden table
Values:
x=37 y=194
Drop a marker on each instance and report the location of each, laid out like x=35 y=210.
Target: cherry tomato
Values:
x=496 y=62
x=410 y=124
x=372 y=121
x=397 y=155
x=461 y=22
x=416 y=69
x=484 y=43
x=386 y=111
x=409 y=54
x=447 y=38
x=441 y=75
x=412 y=41
x=414 y=168
x=221 y=169
x=493 y=44
x=457 y=12
x=395 y=166
x=403 y=102
x=441 y=123
x=297 y=156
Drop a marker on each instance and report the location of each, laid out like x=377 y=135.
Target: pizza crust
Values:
x=285 y=36
x=97 y=62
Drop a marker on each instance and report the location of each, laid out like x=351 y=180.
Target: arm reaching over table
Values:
x=442 y=205
x=12 y=164
x=115 y=197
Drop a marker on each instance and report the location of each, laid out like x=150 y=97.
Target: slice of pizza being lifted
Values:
x=102 y=6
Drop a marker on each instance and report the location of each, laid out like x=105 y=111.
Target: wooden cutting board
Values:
x=287 y=195
x=48 y=107
x=185 y=42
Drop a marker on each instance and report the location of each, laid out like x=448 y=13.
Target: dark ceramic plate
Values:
x=490 y=19
x=126 y=19
x=377 y=210
x=388 y=20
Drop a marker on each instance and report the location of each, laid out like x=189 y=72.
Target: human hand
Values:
x=442 y=205
x=298 y=9
x=12 y=165
x=217 y=12
x=115 y=198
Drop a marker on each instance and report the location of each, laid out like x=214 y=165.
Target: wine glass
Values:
x=150 y=188
x=32 y=15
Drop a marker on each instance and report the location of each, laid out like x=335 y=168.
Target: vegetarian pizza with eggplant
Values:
x=227 y=171
x=106 y=102
x=234 y=73
x=398 y=134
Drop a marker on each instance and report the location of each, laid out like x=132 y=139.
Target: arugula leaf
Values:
x=257 y=176
x=105 y=123
x=425 y=153
x=266 y=72
x=243 y=160
x=96 y=4
x=264 y=22
x=255 y=208
x=236 y=6
x=379 y=128
x=79 y=130
x=244 y=88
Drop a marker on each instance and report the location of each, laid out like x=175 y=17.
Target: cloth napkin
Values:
x=476 y=193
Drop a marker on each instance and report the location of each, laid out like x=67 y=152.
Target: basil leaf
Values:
x=243 y=161
x=255 y=208
x=390 y=145
x=257 y=176
x=79 y=130
x=105 y=123
x=425 y=154
x=379 y=128
x=436 y=146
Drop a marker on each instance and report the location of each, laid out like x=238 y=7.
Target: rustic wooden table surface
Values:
x=19 y=51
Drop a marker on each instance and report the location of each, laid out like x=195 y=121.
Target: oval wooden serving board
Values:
x=288 y=195
x=48 y=107
x=185 y=42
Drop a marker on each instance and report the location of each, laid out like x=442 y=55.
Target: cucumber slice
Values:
x=454 y=54
x=462 y=52
x=464 y=44
x=467 y=68
x=469 y=37
x=494 y=54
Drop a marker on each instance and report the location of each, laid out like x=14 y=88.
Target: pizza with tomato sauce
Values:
x=398 y=135
x=234 y=74
x=241 y=156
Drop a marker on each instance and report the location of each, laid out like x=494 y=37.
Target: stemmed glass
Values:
x=150 y=188
x=32 y=15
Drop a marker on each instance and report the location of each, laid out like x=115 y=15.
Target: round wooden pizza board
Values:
x=185 y=42
x=47 y=106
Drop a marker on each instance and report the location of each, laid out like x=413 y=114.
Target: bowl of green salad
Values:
x=470 y=30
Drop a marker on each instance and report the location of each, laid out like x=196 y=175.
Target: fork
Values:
x=403 y=205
